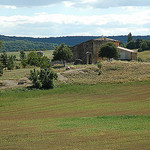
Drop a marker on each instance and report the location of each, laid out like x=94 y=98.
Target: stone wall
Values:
x=79 y=51
x=96 y=49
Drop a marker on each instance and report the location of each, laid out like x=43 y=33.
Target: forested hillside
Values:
x=12 y=43
x=17 y=45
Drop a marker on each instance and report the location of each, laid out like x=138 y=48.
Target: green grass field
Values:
x=145 y=56
x=102 y=116
x=47 y=53
x=90 y=112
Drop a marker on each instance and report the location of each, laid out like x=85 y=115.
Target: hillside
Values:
x=69 y=40
x=12 y=43
x=107 y=111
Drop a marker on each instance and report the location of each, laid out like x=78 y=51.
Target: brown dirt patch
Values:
x=22 y=82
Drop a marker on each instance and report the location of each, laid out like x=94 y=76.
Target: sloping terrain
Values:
x=102 y=116
x=114 y=72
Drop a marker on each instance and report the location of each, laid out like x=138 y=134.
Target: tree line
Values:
x=69 y=40
x=18 y=45
x=139 y=44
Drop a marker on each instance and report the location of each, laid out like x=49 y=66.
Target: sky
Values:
x=53 y=18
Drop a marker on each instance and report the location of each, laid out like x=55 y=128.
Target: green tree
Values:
x=47 y=77
x=33 y=59
x=1 y=69
x=122 y=44
x=10 y=64
x=45 y=62
x=0 y=44
x=62 y=53
x=131 y=45
x=129 y=37
x=144 y=45
x=4 y=59
x=43 y=78
x=22 y=54
x=24 y=63
x=108 y=50
x=138 y=43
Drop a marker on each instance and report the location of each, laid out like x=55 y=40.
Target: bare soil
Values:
x=22 y=82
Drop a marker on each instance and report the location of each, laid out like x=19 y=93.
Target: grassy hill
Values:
x=145 y=55
x=101 y=116
x=84 y=111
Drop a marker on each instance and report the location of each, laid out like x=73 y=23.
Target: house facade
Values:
x=88 y=51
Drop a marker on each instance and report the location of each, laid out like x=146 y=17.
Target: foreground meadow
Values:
x=102 y=116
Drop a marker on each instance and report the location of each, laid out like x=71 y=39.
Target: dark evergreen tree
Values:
x=4 y=59
x=1 y=69
x=10 y=64
x=0 y=44
x=131 y=45
x=138 y=43
x=129 y=37
x=43 y=78
x=22 y=54
x=33 y=59
x=24 y=63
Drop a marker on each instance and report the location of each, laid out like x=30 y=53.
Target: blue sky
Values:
x=47 y=18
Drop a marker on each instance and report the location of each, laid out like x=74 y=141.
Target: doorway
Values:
x=89 y=57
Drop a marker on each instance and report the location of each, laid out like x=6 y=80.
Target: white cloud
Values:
x=137 y=18
x=68 y=3
x=60 y=24
x=8 y=7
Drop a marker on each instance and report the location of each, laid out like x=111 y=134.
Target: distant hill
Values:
x=12 y=43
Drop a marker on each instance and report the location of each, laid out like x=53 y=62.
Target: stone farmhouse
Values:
x=88 y=51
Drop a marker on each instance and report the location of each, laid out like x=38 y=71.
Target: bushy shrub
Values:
x=140 y=59
x=33 y=59
x=43 y=78
x=38 y=60
x=1 y=69
x=140 y=49
x=17 y=66
x=34 y=77
x=99 y=65
x=45 y=62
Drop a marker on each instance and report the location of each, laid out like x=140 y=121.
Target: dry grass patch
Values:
x=114 y=72
x=47 y=53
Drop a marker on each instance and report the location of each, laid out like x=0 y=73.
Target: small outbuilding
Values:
x=127 y=54
x=88 y=51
